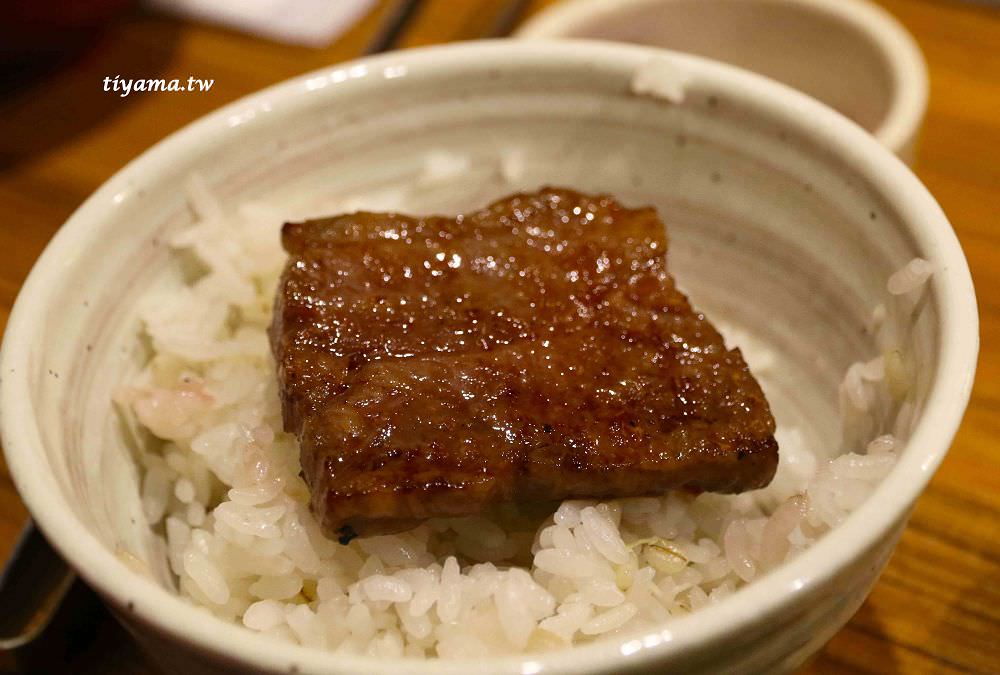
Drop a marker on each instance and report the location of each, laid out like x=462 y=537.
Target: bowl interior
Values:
x=776 y=238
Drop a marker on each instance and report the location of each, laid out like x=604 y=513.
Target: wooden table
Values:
x=937 y=606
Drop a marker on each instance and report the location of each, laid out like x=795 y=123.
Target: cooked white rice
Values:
x=225 y=492
x=660 y=78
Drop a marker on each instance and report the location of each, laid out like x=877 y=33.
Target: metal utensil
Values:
x=404 y=11
x=393 y=28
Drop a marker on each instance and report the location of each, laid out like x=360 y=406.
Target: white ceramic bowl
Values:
x=785 y=220
x=850 y=54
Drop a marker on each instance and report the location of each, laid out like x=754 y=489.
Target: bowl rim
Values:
x=905 y=63
x=141 y=599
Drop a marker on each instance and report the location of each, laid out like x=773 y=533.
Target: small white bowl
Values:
x=850 y=54
x=785 y=220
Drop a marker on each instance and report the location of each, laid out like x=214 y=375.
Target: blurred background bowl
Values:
x=850 y=54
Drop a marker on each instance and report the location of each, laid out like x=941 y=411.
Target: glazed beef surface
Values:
x=534 y=350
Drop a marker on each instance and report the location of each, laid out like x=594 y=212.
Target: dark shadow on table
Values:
x=47 y=100
x=83 y=639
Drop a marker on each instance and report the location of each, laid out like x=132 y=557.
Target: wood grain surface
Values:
x=936 y=608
